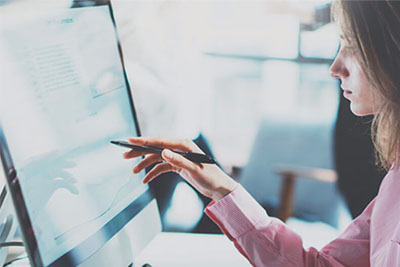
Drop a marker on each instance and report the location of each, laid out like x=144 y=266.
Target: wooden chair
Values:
x=289 y=174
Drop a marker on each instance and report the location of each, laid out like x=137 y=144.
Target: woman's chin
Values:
x=360 y=110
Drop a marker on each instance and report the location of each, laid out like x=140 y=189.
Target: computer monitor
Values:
x=64 y=96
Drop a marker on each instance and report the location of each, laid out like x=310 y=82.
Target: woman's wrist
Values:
x=224 y=189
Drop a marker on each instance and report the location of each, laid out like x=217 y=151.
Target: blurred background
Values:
x=221 y=67
x=249 y=81
x=253 y=78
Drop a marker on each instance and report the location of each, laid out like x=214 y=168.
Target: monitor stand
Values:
x=8 y=223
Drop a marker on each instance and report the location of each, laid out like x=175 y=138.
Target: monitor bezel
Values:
x=14 y=187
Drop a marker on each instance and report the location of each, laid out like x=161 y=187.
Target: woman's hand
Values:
x=208 y=179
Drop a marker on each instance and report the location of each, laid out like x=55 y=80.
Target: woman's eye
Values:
x=350 y=49
x=347 y=45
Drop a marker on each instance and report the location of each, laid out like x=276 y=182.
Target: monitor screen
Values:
x=64 y=97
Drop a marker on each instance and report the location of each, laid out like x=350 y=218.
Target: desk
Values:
x=182 y=249
x=194 y=250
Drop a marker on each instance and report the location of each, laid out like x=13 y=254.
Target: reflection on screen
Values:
x=63 y=98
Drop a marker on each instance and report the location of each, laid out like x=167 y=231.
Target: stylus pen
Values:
x=195 y=157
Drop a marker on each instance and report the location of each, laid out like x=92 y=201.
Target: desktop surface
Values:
x=183 y=249
x=194 y=250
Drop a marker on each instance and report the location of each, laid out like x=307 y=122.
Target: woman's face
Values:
x=354 y=82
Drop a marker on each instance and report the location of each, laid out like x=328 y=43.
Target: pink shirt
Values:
x=372 y=239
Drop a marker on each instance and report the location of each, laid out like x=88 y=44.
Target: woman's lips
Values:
x=346 y=93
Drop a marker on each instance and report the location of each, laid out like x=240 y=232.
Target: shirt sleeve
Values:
x=266 y=241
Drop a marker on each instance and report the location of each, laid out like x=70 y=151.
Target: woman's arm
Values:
x=264 y=241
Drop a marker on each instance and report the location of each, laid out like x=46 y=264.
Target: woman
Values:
x=368 y=65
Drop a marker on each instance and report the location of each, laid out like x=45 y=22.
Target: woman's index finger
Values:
x=178 y=145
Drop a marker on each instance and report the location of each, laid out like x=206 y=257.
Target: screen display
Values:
x=63 y=99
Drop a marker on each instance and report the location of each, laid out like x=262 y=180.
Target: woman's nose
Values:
x=338 y=68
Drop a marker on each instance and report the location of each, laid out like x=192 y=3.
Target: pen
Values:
x=195 y=157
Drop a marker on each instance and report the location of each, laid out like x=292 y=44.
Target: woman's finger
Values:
x=180 y=145
x=156 y=171
x=134 y=154
x=179 y=161
x=148 y=161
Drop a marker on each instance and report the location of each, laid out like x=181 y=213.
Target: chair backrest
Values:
x=295 y=144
